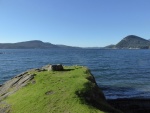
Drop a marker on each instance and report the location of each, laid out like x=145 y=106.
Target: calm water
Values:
x=120 y=73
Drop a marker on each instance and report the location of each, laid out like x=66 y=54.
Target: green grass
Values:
x=55 y=92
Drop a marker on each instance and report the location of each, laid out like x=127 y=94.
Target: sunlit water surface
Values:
x=119 y=73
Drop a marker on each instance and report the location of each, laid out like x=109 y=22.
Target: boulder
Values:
x=58 y=67
x=14 y=84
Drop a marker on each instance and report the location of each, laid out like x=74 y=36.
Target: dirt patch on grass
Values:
x=49 y=92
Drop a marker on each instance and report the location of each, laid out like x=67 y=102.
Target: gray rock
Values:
x=4 y=107
x=15 y=84
x=46 y=68
x=58 y=67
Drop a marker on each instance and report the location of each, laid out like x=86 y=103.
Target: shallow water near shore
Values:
x=119 y=73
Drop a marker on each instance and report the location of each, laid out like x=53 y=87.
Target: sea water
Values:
x=119 y=73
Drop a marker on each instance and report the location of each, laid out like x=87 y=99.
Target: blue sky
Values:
x=84 y=23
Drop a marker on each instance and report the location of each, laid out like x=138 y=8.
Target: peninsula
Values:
x=54 y=89
x=33 y=44
x=131 y=42
x=128 y=42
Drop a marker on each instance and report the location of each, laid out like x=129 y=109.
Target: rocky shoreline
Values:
x=21 y=80
x=131 y=105
x=125 y=105
x=88 y=93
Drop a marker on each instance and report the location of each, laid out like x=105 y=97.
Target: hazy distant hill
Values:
x=110 y=46
x=34 y=44
x=131 y=42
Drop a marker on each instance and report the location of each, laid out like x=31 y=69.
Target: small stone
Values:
x=49 y=92
x=58 y=67
x=33 y=82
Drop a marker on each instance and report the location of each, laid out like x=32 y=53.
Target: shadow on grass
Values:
x=68 y=69
x=92 y=96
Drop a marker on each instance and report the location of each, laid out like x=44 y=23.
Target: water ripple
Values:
x=120 y=73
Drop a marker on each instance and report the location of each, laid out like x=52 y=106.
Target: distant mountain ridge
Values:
x=129 y=42
x=132 y=42
x=33 y=44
